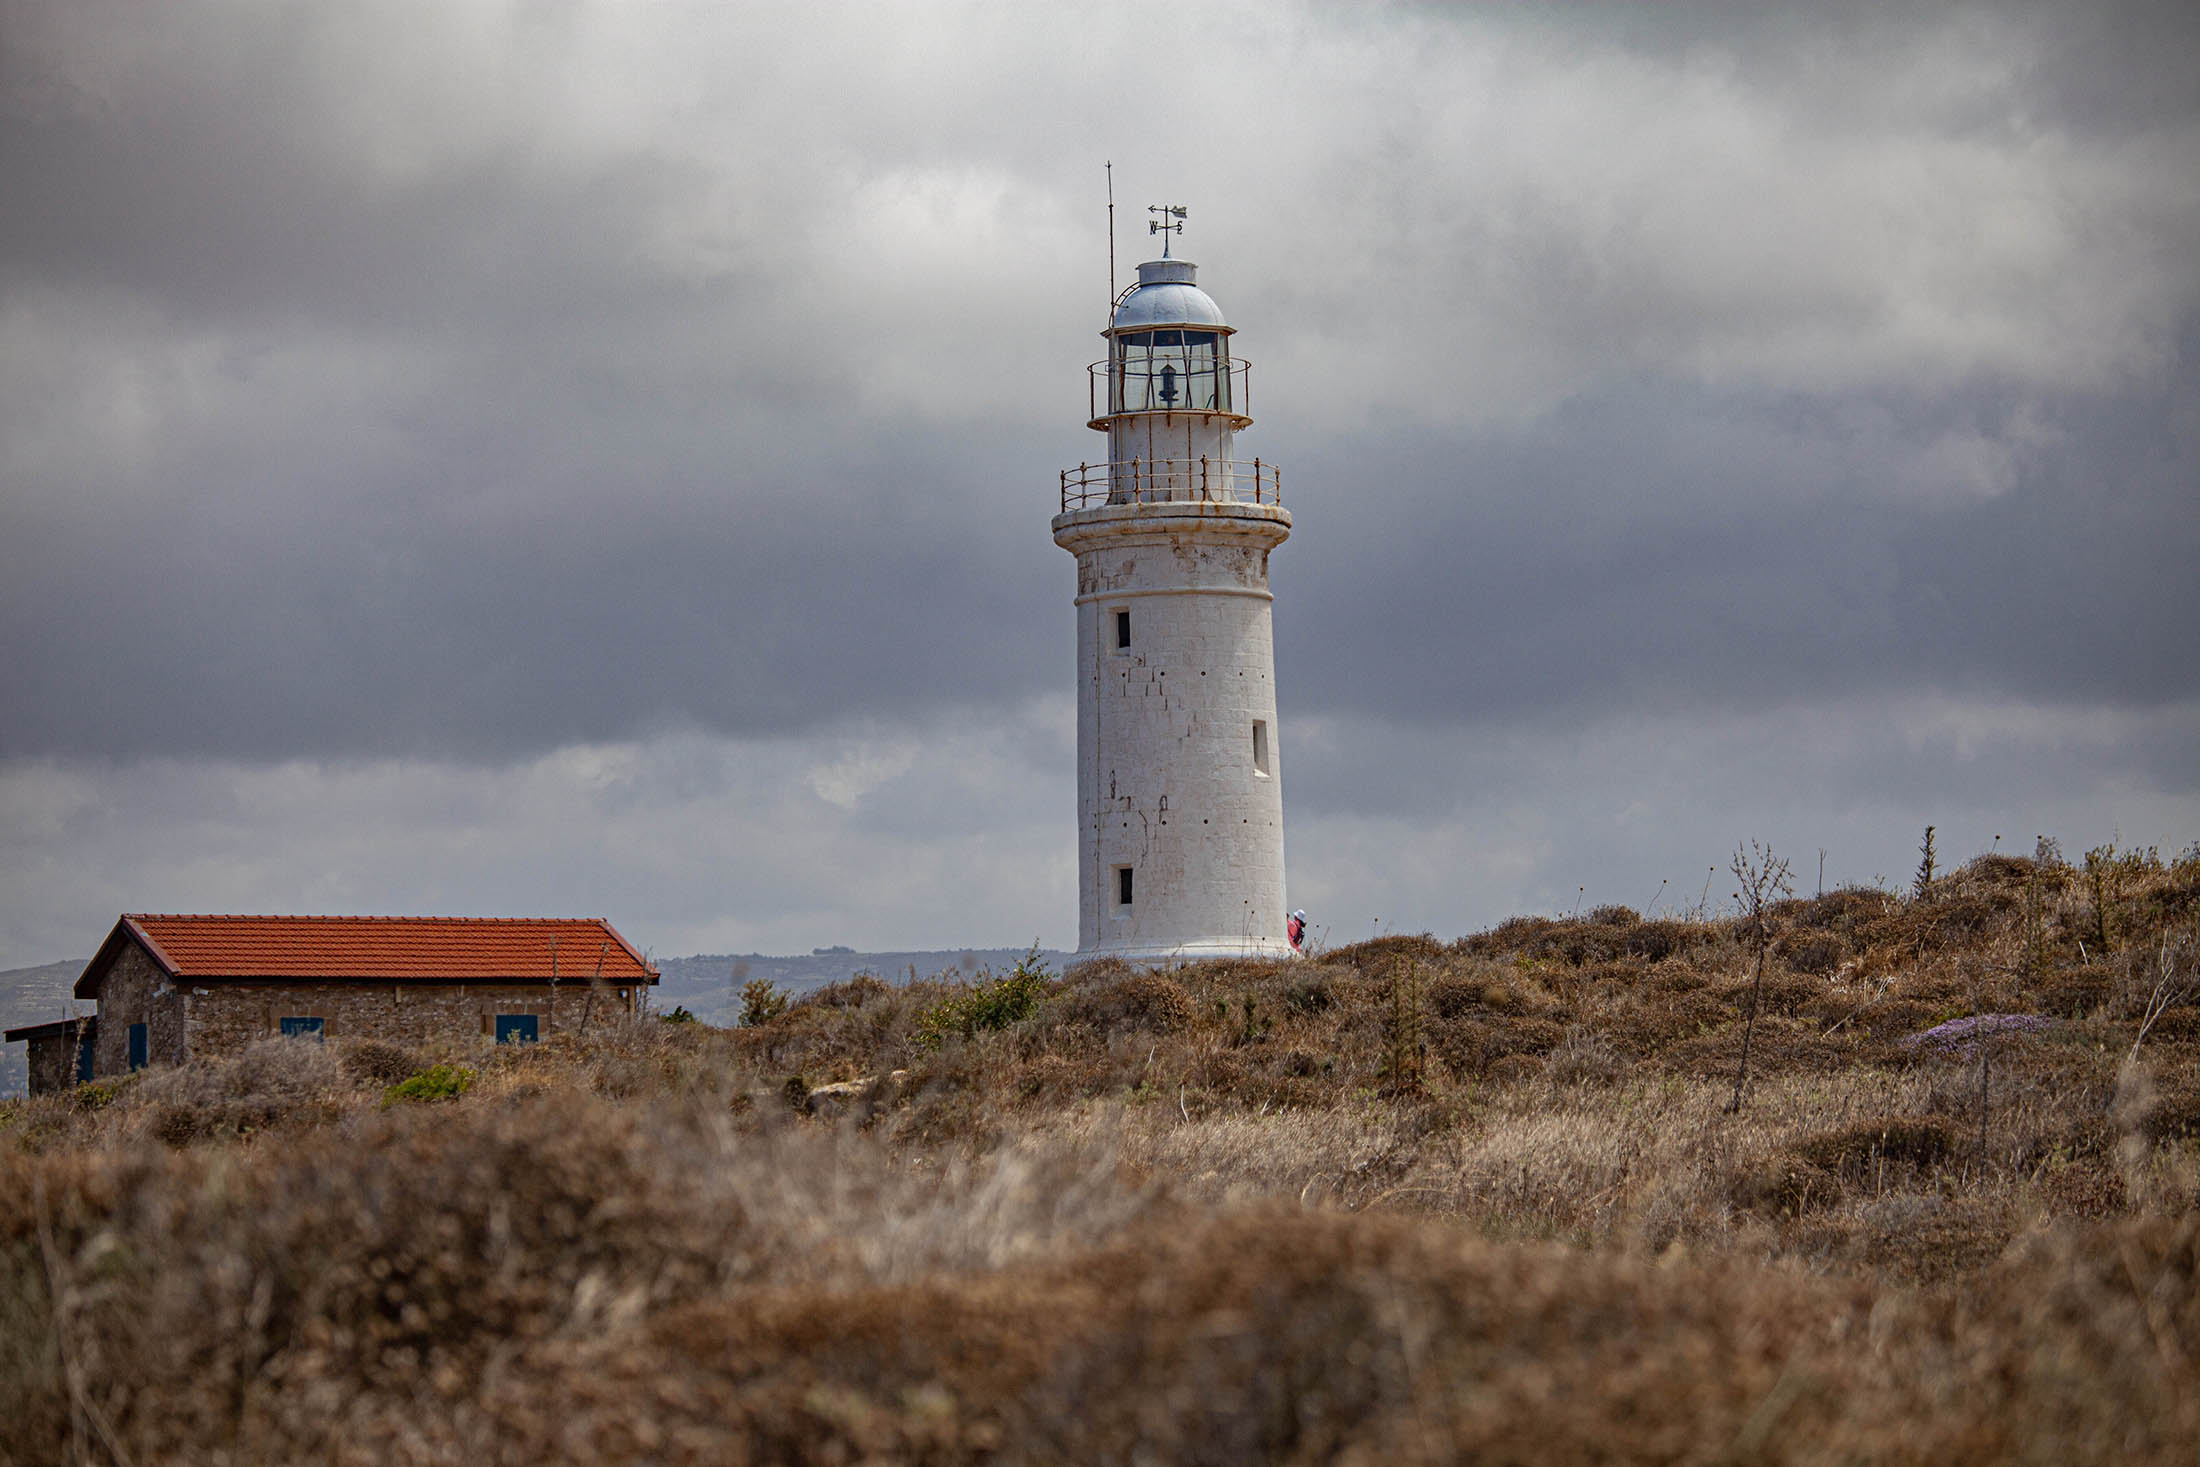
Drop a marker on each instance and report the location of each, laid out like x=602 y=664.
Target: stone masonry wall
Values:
x=225 y=1017
x=135 y=991
x=52 y=1063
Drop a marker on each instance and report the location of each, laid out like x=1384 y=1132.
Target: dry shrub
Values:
x=1814 y=952
x=1465 y=988
x=1513 y=1069
x=1857 y=1152
x=1784 y=1186
x=1242 y=1338
x=621 y=1246
x=2175 y=1112
x=1844 y=910
x=2180 y=1025
x=1455 y=995
x=849 y=993
x=1152 y=1001
x=1957 y=919
x=1584 y=1058
x=1468 y=1046
x=272 y=1082
x=1930 y=1239
x=1782 y=993
x=1376 y=955
x=1657 y=1019
x=2084 y=1189
x=1658 y=940
x=1781 y=1046
x=570 y=1278
x=1894 y=1017
x=2074 y=992
x=1310 y=994
x=1054 y=1080
x=1676 y=976
x=376 y=1062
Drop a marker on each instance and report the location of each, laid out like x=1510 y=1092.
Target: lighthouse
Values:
x=1179 y=768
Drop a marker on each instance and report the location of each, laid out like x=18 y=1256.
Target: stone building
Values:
x=60 y=1052
x=171 y=988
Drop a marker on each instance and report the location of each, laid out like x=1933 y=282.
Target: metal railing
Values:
x=1171 y=481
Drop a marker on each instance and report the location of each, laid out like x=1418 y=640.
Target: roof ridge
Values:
x=345 y=917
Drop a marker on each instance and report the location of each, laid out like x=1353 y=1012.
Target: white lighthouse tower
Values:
x=1179 y=778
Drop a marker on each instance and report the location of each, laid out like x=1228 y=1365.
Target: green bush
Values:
x=679 y=1015
x=437 y=1082
x=761 y=1002
x=99 y=1094
x=989 y=1003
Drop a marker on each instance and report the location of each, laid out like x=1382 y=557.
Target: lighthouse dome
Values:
x=1166 y=296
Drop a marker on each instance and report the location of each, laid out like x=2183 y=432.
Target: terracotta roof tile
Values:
x=573 y=949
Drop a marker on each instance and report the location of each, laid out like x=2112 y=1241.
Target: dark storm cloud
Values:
x=368 y=399
x=388 y=628
x=1677 y=548
x=510 y=457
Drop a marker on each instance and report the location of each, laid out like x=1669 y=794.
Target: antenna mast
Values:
x=1111 y=234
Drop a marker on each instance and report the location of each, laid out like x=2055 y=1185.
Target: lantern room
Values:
x=1169 y=352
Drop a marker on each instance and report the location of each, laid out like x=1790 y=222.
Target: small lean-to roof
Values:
x=53 y=1029
x=206 y=948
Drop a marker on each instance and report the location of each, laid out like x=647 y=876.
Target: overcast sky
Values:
x=596 y=458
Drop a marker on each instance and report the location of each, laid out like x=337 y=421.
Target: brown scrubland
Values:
x=1409 y=1201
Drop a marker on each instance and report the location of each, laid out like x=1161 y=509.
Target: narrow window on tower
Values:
x=1122 y=629
x=1260 y=747
x=1122 y=886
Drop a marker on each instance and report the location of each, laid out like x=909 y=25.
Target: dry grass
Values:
x=1180 y=1217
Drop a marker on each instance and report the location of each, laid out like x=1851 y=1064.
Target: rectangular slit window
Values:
x=1260 y=746
x=141 y=1048
x=1122 y=886
x=1122 y=631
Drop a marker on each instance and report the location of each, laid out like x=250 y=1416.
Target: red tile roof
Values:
x=432 y=949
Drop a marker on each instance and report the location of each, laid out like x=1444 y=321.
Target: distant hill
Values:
x=32 y=996
x=707 y=986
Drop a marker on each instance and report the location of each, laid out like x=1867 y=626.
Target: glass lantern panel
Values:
x=1170 y=371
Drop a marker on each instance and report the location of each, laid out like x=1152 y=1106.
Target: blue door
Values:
x=302 y=1028
x=83 y=1058
x=516 y=1029
x=141 y=1047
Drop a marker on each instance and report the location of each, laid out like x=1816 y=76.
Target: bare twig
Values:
x=2174 y=983
x=1762 y=877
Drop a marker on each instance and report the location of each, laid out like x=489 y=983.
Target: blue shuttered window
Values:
x=516 y=1029
x=301 y=1027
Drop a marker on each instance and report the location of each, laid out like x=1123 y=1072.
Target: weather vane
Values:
x=1170 y=222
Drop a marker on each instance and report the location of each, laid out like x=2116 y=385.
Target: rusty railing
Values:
x=1171 y=481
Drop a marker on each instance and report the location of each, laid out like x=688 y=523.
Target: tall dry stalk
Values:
x=2176 y=981
x=1403 y=1066
x=1762 y=877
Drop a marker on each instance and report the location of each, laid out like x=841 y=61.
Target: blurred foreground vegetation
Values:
x=1408 y=1201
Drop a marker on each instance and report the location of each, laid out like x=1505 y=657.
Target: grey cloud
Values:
x=1671 y=547
x=462 y=388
